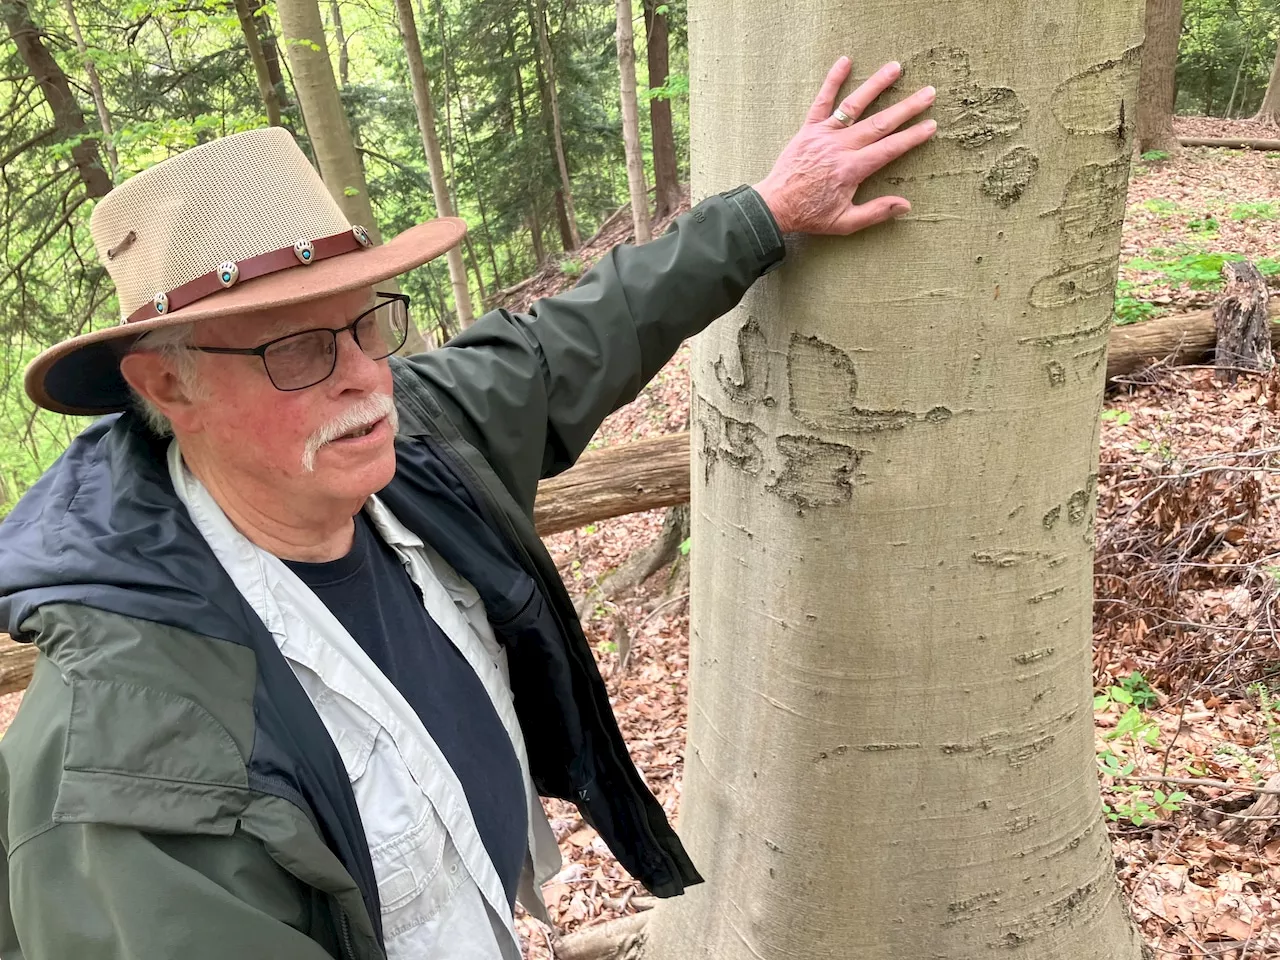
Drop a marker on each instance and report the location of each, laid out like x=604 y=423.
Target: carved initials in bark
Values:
x=1092 y=206
x=1092 y=102
x=753 y=349
x=1244 y=329
x=968 y=112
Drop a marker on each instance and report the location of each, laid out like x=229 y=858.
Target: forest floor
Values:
x=1187 y=580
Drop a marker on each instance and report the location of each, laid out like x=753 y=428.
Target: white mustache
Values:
x=362 y=413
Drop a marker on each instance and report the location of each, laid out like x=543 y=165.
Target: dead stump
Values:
x=1243 y=327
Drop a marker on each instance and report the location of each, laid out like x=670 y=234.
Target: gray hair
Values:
x=172 y=344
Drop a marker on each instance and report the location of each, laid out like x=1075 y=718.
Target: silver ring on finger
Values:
x=842 y=118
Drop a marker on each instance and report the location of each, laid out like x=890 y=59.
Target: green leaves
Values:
x=1120 y=418
x=677 y=86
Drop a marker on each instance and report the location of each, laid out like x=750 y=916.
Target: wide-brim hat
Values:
x=232 y=226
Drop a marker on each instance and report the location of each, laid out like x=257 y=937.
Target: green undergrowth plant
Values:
x=1262 y=210
x=1159 y=206
x=1135 y=733
x=1269 y=709
x=1198 y=268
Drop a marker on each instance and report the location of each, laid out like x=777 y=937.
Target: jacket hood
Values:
x=104 y=528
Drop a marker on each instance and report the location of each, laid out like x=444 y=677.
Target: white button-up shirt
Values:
x=439 y=892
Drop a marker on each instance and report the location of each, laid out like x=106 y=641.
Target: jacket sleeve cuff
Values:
x=762 y=229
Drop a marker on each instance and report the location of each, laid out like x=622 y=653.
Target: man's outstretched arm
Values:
x=530 y=390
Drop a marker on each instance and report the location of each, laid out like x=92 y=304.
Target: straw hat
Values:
x=231 y=226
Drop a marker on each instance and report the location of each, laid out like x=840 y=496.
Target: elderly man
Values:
x=305 y=666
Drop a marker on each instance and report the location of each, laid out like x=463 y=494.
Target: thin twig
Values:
x=1198 y=782
x=658 y=609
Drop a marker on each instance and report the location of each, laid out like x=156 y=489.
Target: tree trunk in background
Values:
x=891 y=746
x=1156 y=90
x=1270 y=110
x=666 y=174
x=557 y=135
x=267 y=90
x=327 y=126
x=68 y=121
x=95 y=88
x=568 y=236
x=340 y=36
x=535 y=216
x=431 y=145
x=327 y=123
x=631 y=123
x=535 y=235
x=451 y=90
x=269 y=50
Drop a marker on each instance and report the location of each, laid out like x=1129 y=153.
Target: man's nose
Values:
x=353 y=368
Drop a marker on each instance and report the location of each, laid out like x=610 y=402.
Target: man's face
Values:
x=262 y=433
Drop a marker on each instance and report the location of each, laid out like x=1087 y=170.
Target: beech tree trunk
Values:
x=1270 y=109
x=431 y=145
x=68 y=121
x=631 y=123
x=1156 y=89
x=666 y=176
x=253 y=42
x=565 y=195
x=891 y=748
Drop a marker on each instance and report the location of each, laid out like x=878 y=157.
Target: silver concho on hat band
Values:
x=161 y=303
x=303 y=250
x=228 y=273
x=362 y=236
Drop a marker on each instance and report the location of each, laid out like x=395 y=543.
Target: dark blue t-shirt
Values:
x=372 y=595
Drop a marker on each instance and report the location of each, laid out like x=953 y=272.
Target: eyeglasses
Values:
x=300 y=360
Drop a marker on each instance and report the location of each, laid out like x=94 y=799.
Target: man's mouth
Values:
x=361 y=431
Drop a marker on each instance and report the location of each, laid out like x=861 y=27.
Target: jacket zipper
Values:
x=348 y=949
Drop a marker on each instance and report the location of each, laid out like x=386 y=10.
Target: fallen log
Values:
x=16 y=663
x=1230 y=143
x=1181 y=337
x=628 y=478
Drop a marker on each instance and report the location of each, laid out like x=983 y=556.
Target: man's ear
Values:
x=153 y=377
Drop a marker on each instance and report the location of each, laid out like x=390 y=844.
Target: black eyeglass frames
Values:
x=303 y=359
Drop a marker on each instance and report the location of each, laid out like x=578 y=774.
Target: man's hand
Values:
x=811 y=187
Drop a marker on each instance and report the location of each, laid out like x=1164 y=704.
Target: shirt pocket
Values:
x=418 y=875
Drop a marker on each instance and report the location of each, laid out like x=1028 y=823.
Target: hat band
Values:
x=302 y=253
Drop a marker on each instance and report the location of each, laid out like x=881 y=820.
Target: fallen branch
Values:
x=1230 y=143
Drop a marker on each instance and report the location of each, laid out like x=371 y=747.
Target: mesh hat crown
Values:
x=223 y=201
x=231 y=227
